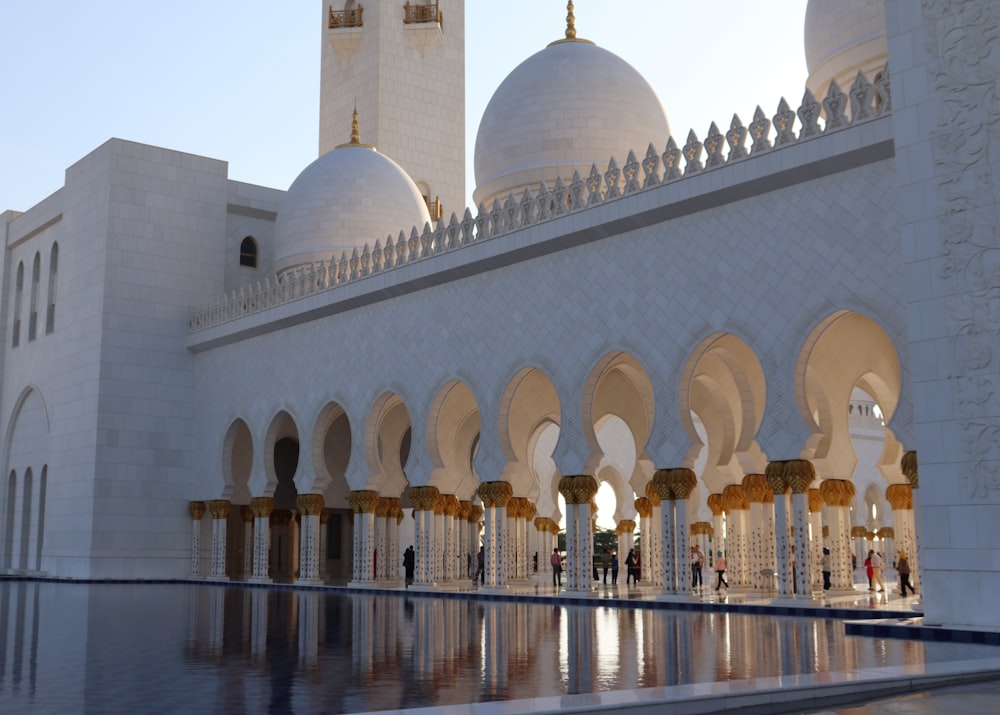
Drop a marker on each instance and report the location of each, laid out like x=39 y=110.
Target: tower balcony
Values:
x=416 y=14
x=347 y=18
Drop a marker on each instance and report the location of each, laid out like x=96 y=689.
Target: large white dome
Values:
x=346 y=198
x=842 y=37
x=565 y=108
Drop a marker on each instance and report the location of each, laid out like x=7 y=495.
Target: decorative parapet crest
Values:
x=868 y=101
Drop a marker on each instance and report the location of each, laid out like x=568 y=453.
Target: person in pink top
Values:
x=556 y=561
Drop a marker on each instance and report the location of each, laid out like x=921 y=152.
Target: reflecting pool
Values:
x=177 y=648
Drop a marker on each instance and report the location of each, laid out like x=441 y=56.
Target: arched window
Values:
x=50 y=311
x=19 y=292
x=36 y=273
x=248 y=252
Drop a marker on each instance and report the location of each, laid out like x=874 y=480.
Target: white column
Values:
x=197 y=511
x=324 y=522
x=261 y=508
x=718 y=507
x=651 y=574
x=379 y=549
x=363 y=503
x=816 y=541
x=838 y=494
x=310 y=506
x=219 y=509
x=668 y=546
x=655 y=539
x=247 y=514
x=496 y=496
x=783 y=552
x=900 y=497
x=737 y=541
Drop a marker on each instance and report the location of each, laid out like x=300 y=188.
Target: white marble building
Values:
x=211 y=379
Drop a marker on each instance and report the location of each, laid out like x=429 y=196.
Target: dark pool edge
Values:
x=588 y=599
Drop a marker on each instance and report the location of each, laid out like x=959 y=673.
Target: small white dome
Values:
x=346 y=198
x=565 y=108
x=841 y=38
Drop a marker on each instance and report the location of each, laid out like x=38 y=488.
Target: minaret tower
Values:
x=401 y=63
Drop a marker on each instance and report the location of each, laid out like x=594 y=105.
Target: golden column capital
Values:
x=644 y=508
x=858 y=532
x=899 y=496
x=514 y=508
x=625 y=526
x=219 y=508
x=774 y=473
x=579 y=489
x=309 y=504
x=837 y=492
x=735 y=498
x=870 y=535
x=717 y=504
x=909 y=467
x=541 y=523
x=530 y=509
x=815 y=501
x=196 y=509
x=800 y=474
x=464 y=509
x=757 y=489
x=683 y=482
x=652 y=494
x=280 y=517
x=262 y=506
x=423 y=498
x=246 y=513
x=475 y=514
x=363 y=501
x=700 y=527
x=663 y=485
x=886 y=532
x=324 y=516
x=395 y=508
x=496 y=494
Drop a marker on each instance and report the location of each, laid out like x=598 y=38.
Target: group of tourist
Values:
x=608 y=560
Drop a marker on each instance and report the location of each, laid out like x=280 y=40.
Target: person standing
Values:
x=877 y=566
x=825 y=566
x=629 y=566
x=696 y=564
x=480 y=566
x=409 y=561
x=607 y=564
x=597 y=565
x=556 y=561
x=903 y=569
x=614 y=567
x=868 y=570
x=720 y=570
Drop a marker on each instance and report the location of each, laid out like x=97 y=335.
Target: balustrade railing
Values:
x=422 y=13
x=866 y=102
x=347 y=18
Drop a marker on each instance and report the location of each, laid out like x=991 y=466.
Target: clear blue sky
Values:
x=239 y=81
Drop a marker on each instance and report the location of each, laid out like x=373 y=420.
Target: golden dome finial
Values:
x=570 y=28
x=355 y=130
